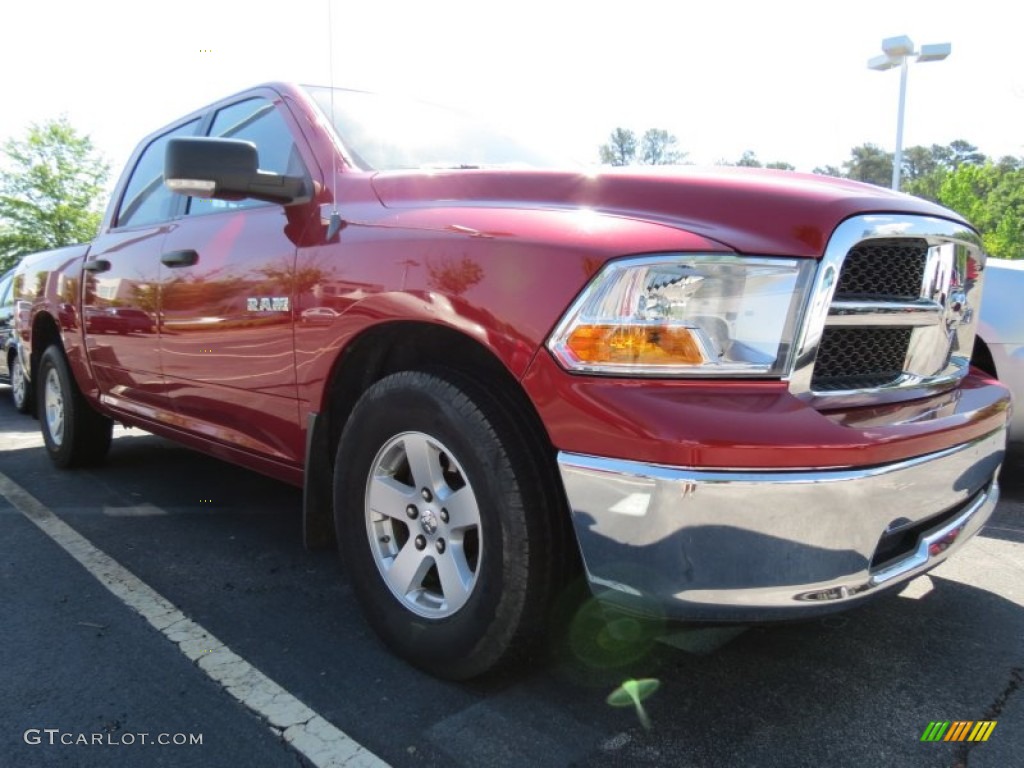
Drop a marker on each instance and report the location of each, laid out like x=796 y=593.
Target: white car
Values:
x=320 y=315
x=999 y=347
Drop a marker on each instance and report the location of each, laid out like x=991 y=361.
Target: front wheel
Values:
x=73 y=432
x=444 y=524
x=20 y=392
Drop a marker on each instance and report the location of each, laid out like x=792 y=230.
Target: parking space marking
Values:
x=324 y=745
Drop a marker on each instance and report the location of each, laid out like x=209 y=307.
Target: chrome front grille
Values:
x=892 y=315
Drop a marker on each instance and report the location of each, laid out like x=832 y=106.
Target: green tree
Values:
x=919 y=162
x=749 y=160
x=50 y=187
x=992 y=199
x=620 y=148
x=659 y=147
x=656 y=147
x=829 y=170
x=964 y=153
x=1008 y=163
x=925 y=169
x=869 y=163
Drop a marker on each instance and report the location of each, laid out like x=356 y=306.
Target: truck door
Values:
x=120 y=285
x=227 y=298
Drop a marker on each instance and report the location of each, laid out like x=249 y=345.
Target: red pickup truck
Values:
x=723 y=396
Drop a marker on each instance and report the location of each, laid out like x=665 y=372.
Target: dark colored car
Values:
x=12 y=370
x=118 y=320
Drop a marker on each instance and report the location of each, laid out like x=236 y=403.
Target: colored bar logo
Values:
x=958 y=730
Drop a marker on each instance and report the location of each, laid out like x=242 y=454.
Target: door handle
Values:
x=184 y=258
x=96 y=265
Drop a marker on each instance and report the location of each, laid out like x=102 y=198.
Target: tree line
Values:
x=987 y=192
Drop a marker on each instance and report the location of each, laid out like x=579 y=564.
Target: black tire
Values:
x=74 y=433
x=981 y=357
x=21 y=392
x=510 y=559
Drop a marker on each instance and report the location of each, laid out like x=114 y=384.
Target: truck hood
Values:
x=750 y=211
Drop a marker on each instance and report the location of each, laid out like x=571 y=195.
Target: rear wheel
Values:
x=20 y=392
x=444 y=524
x=73 y=432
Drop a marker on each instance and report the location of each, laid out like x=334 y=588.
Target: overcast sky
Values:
x=787 y=80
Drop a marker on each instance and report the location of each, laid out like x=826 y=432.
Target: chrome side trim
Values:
x=943 y=318
x=735 y=545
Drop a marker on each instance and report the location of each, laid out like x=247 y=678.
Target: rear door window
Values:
x=146 y=200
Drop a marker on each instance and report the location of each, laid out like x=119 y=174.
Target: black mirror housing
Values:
x=227 y=169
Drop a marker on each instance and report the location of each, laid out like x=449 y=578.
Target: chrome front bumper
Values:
x=755 y=545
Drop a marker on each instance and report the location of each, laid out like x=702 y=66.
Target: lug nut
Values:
x=427 y=495
x=421 y=542
x=385 y=539
x=411 y=511
x=440 y=546
x=444 y=515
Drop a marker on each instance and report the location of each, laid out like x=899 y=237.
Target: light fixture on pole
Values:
x=897 y=53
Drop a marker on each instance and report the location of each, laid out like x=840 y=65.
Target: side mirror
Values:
x=227 y=169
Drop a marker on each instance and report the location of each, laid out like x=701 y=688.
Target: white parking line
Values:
x=320 y=742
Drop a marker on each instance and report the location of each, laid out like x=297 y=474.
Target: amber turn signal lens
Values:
x=637 y=344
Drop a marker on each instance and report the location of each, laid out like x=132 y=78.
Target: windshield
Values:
x=388 y=133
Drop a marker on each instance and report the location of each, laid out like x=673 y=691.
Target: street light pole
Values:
x=897 y=53
x=897 y=163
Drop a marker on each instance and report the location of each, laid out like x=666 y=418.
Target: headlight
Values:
x=686 y=315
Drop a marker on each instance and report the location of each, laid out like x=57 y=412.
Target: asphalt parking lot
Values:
x=222 y=545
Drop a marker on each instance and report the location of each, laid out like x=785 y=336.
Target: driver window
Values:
x=258 y=121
